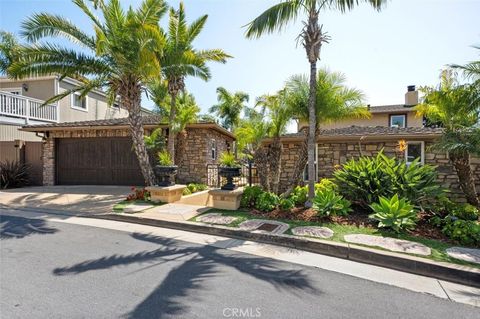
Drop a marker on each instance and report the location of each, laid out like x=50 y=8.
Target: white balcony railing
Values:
x=27 y=108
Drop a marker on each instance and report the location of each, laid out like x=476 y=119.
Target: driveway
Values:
x=85 y=199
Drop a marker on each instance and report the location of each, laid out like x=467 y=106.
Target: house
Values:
x=388 y=126
x=99 y=152
x=21 y=103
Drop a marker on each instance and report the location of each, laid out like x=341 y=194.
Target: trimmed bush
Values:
x=286 y=204
x=397 y=214
x=465 y=232
x=328 y=203
x=267 y=202
x=250 y=195
x=365 y=180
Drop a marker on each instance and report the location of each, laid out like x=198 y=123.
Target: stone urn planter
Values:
x=229 y=173
x=165 y=174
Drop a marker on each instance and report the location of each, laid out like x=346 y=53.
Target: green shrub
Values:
x=186 y=191
x=365 y=180
x=13 y=174
x=286 y=204
x=267 y=202
x=299 y=195
x=164 y=158
x=328 y=203
x=325 y=183
x=250 y=195
x=466 y=212
x=465 y=232
x=397 y=214
x=194 y=187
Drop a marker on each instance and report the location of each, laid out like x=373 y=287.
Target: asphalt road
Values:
x=58 y=270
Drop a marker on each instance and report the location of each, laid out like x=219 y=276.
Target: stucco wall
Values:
x=332 y=154
x=38 y=89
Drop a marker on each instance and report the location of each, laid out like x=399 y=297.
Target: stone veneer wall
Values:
x=332 y=154
x=193 y=167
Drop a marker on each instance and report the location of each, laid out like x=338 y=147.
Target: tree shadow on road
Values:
x=20 y=227
x=197 y=265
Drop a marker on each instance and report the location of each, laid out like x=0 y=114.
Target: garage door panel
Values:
x=97 y=161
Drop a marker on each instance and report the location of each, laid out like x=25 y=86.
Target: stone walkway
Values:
x=388 y=243
x=271 y=226
x=216 y=218
x=313 y=231
x=466 y=254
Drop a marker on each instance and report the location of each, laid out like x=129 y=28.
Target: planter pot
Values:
x=165 y=174
x=229 y=173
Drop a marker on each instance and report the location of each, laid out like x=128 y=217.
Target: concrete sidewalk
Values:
x=80 y=200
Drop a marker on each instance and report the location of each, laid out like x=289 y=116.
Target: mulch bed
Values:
x=359 y=219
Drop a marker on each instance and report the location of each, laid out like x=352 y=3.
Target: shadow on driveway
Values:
x=19 y=227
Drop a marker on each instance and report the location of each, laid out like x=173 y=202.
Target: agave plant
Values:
x=397 y=214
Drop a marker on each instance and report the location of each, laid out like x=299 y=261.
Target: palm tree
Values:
x=333 y=101
x=471 y=70
x=9 y=47
x=457 y=109
x=120 y=57
x=179 y=59
x=312 y=37
x=229 y=107
x=279 y=115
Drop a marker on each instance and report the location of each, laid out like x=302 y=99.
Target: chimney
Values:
x=411 y=97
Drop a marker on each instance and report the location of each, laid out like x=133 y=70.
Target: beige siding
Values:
x=377 y=119
x=10 y=133
x=97 y=108
x=38 y=89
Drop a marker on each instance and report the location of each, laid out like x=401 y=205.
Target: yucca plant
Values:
x=13 y=174
x=120 y=57
x=394 y=213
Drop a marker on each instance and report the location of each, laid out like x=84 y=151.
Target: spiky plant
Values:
x=119 y=58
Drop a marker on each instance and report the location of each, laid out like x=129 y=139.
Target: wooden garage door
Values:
x=97 y=161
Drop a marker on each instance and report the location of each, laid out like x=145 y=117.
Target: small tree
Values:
x=229 y=107
x=456 y=108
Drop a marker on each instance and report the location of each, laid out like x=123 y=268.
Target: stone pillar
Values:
x=48 y=158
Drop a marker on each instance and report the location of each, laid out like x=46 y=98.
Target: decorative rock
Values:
x=258 y=224
x=388 y=243
x=313 y=231
x=467 y=254
x=216 y=218
x=135 y=208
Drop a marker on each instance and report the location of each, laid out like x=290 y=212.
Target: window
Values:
x=78 y=102
x=415 y=150
x=214 y=150
x=398 y=120
x=305 y=171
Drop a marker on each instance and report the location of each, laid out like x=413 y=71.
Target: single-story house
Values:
x=99 y=152
x=336 y=146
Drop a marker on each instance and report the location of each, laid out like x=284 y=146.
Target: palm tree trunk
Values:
x=130 y=95
x=301 y=162
x=181 y=140
x=171 y=120
x=275 y=159
x=261 y=161
x=312 y=124
x=461 y=162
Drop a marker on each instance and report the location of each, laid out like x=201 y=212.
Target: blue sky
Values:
x=380 y=53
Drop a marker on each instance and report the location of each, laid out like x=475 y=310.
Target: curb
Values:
x=464 y=275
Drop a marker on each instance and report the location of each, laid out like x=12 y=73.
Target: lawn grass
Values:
x=119 y=207
x=437 y=247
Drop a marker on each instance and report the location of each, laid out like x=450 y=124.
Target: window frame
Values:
x=390 y=117
x=422 y=152
x=73 y=106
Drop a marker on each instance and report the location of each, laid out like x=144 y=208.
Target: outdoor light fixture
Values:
x=25 y=87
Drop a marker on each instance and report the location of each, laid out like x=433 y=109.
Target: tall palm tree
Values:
x=333 y=101
x=471 y=70
x=312 y=37
x=9 y=48
x=180 y=59
x=457 y=109
x=229 y=107
x=120 y=57
x=279 y=114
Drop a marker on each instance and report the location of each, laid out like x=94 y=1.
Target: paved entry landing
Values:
x=173 y=211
